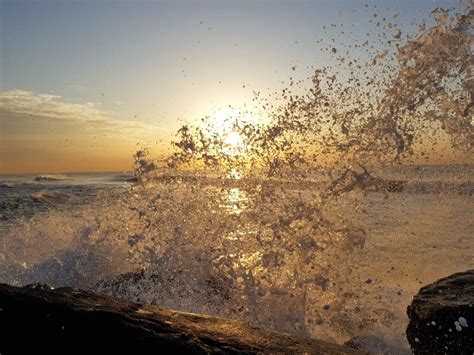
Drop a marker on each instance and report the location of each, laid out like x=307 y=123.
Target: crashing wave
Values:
x=125 y=178
x=260 y=245
x=49 y=178
x=50 y=196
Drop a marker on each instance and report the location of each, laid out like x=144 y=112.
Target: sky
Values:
x=84 y=83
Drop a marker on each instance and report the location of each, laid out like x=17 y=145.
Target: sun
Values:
x=224 y=119
x=228 y=134
x=234 y=144
x=233 y=139
x=225 y=123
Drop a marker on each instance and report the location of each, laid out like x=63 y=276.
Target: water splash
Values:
x=257 y=220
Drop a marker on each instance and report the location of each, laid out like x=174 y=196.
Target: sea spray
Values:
x=259 y=221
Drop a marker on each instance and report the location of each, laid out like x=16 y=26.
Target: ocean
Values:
x=306 y=222
x=258 y=252
x=24 y=195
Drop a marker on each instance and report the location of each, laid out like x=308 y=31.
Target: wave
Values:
x=50 y=178
x=12 y=184
x=438 y=187
x=125 y=178
x=359 y=178
x=50 y=196
x=265 y=245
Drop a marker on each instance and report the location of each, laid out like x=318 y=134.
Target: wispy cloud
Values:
x=31 y=103
x=28 y=103
x=43 y=132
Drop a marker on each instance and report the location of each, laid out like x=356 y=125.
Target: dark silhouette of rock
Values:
x=68 y=320
x=442 y=316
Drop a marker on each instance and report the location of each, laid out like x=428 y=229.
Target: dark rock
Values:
x=68 y=320
x=442 y=316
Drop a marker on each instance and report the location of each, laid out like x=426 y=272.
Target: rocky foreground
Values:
x=39 y=319
x=442 y=316
x=68 y=320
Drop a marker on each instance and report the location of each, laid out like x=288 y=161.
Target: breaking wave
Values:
x=50 y=178
x=50 y=196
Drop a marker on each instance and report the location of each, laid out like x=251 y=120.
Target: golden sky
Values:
x=83 y=84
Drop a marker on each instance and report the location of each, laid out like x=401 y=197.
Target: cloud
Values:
x=43 y=132
x=16 y=103
x=31 y=103
x=38 y=116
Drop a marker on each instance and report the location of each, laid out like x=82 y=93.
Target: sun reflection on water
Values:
x=235 y=174
x=234 y=200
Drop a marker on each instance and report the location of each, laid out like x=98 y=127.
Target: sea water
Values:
x=222 y=263
x=322 y=221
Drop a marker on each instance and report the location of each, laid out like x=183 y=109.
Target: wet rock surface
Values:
x=41 y=318
x=442 y=316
